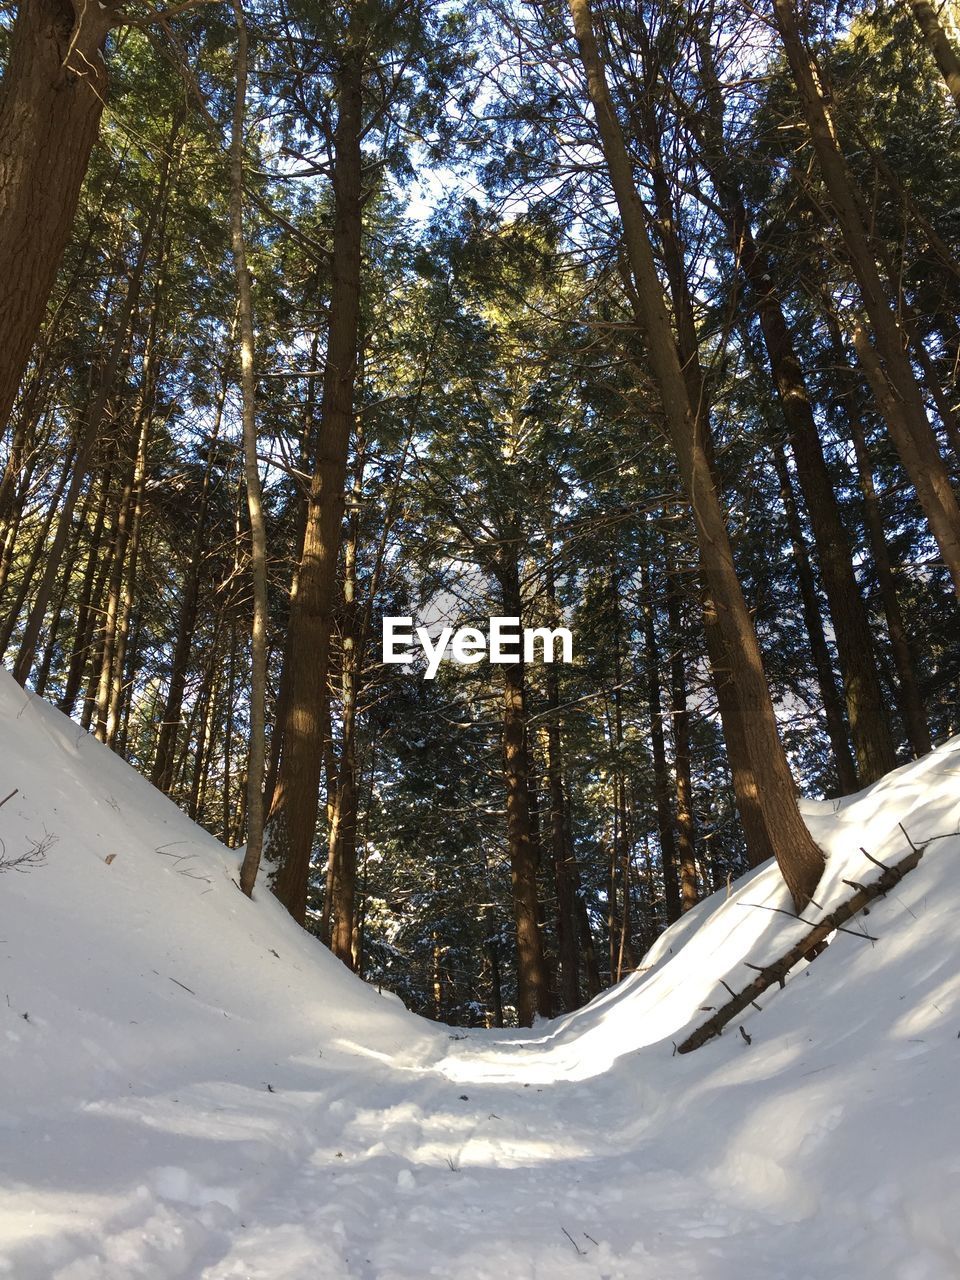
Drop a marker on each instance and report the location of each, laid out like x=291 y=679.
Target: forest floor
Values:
x=192 y=1087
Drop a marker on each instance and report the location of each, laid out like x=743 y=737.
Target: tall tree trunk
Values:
x=686 y=846
x=38 y=552
x=661 y=777
x=256 y=746
x=88 y=433
x=909 y=697
x=343 y=827
x=492 y=948
x=938 y=42
x=865 y=706
x=757 y=839
x=911 y=431
x=532 y=985
x=833 y=713
x=308 y=449
x=51 y=98
x=800 y=861
x=130 y=499
x=908 y=688
x=86 y=616
x=161 y=774
x=866 y=712
x=568 y=950
x=293 y=811
x=129 y=592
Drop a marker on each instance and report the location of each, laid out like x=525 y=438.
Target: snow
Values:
x=192 y=1087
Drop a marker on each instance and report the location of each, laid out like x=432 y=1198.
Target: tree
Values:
x=905 y=413
x=798 y=857
x=51 y=100
x=251 y=464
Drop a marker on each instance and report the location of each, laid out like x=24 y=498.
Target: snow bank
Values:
x=194 y=1088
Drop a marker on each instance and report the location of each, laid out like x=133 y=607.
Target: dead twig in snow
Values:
x=582 y=1252
x=777 y=971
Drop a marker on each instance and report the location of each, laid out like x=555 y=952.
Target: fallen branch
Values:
x=778 y=970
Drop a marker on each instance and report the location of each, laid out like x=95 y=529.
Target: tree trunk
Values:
x=661 y=777
x=86 y=616
x=293 y=811
x=686 y=846
x=911 y=431
x=833 y=713
x=866 y=712
x=89 y=431
x=128 y=594
x=51 y=98
x=256 y=746
x=134 y=471
x=938 y=42
x=38 y=553
x=532 y=985
x=492 y=948
x=865 y=707
x=343 y=828
x=800 y=861
x=908 y=691
x=909 y=698
x=568 y=951
x=758 y=842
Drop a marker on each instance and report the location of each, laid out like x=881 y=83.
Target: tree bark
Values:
x=661 y=778
x=88 y=434
x=256 y=745
x=343 y=827
x=532 y=986
x=938 y=42
x=833 y=713
x=293 y=811
x=865 y=706
x=759 y=845
x=909 y=698
x=866 y=712
x=51 y=100
x=800 y=860
x=686 y=842
x=568 y=951
x=911 y=431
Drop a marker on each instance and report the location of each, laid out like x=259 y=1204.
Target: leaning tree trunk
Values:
x=293 y=810
x=51 y=100
x=909 y=427
x=855 y=648
x=872 y=741
x=757 y=840
x=938 y=42
x=800 y=860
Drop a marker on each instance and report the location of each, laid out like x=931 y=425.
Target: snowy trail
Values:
x=199 y=1092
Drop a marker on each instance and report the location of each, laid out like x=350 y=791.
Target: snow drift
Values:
x=192 y=1087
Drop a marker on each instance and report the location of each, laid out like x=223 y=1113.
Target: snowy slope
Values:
x=194 y=1088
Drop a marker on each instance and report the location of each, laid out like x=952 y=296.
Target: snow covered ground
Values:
x=191 y=1087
